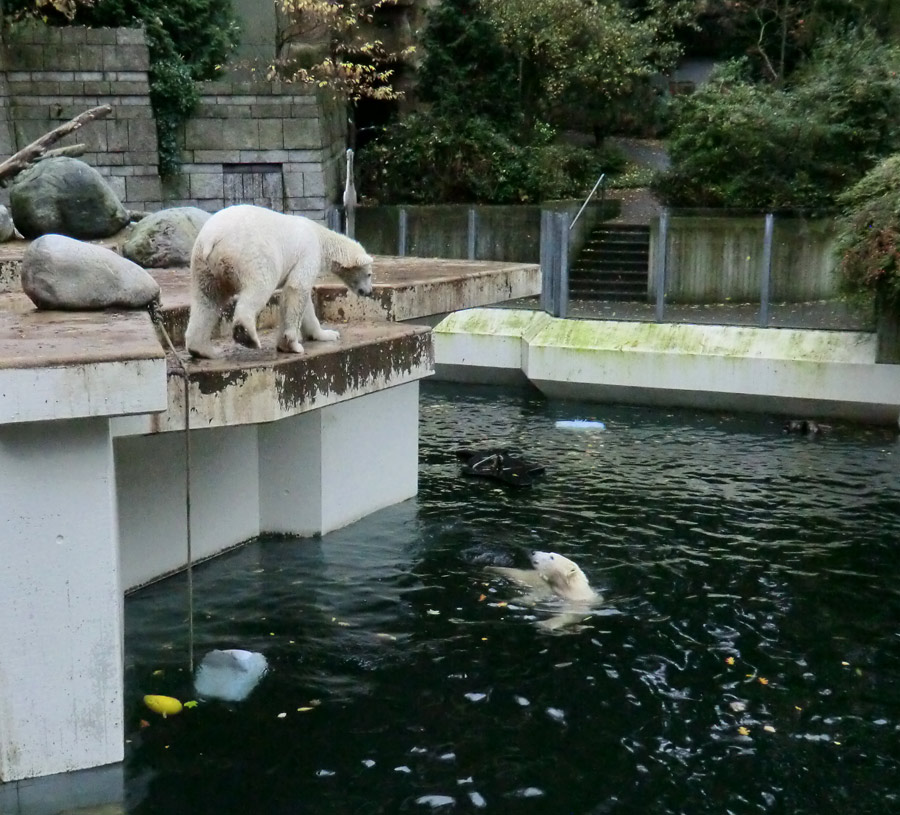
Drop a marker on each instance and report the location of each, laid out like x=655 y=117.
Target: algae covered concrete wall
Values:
x=713 y=258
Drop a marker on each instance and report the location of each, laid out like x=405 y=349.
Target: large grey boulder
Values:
x=65 y=196
x=7 y=229
x=62 y=273
x=165 y=238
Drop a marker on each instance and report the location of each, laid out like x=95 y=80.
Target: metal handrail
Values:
x=588 y=199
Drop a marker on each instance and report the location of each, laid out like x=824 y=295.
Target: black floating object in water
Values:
x=499 y=465
x=806 y=427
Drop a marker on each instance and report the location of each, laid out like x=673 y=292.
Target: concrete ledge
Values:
x=772 y=370
x=67 y=365
x=405 y=289
x=249 y=386
x=413 y=288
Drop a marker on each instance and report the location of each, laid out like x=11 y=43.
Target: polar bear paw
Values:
x=204 y=351
x=289 y=344
x=327 y=335
x=244 y=335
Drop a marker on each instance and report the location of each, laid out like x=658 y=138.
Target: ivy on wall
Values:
x=188 y=42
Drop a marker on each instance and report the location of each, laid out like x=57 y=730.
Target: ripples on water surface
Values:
x=746 y=658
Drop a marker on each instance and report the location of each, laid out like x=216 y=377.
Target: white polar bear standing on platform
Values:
x=248 y=252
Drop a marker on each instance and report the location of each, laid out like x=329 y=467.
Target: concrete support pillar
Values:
x=61 y=669
x=323 y=470
x=150 y=475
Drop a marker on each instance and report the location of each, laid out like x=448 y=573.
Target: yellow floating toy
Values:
x=164 y=705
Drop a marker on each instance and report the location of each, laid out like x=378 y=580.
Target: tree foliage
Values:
x=426 y=159
x=495 y=82
x=467 y=70
x=869 y=232
x=744 y=144
x=354 y=65
x=572 y=50
x=778 y=35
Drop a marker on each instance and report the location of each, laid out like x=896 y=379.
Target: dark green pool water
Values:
x=746 y=657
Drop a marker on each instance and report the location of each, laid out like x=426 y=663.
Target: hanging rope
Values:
x=181 y=371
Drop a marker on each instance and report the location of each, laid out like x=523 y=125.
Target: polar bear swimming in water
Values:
x=555 y=576
x=249 y=252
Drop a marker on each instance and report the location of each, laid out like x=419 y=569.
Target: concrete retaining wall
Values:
x=510 y=233
x=818 y=374
x=714 y=258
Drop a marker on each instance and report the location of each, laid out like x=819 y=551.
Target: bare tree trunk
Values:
x=21 y=160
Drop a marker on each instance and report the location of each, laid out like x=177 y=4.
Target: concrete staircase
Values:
x=613 y=265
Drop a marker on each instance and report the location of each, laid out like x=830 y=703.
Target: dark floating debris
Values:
x=806 y=427
x=499 y=465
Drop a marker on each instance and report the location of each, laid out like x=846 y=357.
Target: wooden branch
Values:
x=21 y=160
x=71 y=150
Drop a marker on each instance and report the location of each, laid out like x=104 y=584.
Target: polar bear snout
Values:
x=357 y=278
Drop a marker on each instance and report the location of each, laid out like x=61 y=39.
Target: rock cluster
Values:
x=65 y=196
x=59 y=272
x=165 y=238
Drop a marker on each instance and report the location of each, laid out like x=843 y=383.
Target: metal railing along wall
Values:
x=556 y=259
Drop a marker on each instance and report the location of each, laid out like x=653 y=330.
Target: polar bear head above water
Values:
x=563 y=576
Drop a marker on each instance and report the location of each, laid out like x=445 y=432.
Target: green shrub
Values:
x=868 y=243
x=740 y=144
x=426 y=159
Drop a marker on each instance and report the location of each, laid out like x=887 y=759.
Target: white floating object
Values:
x=476 y=697
x=580 y=424
x=556 y=714
x=521 y=701
x=435 y=801
x=368 y=762
x=529 y=792
x=229 y=675
x=477 y=800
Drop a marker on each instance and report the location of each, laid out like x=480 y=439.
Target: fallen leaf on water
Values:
x=192 y=703
x=384 y=636
x=729 y=660
x=763 y=681
x=482 y=598
x=768 y=728
x=144 y=723
x=743 y=731
x=158 y=672
x=304 y=709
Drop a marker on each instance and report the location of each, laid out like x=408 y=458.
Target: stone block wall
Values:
x=257 y=142
x=53 y=74
x=249 y=141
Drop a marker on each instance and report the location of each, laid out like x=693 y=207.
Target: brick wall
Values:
x=53 y=74
x=268 y=143
x=249 y=141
